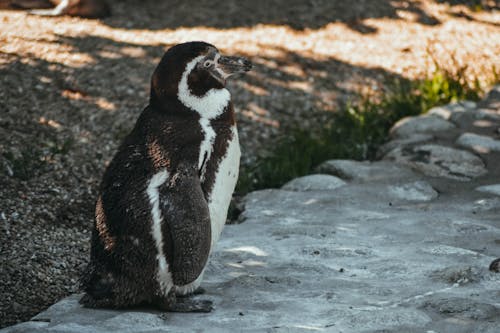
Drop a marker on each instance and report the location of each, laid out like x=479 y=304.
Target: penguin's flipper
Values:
x=186 y=226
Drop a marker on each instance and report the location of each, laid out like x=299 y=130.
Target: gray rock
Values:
x=440 y=161
x=314 y=183
x=421 y=124
x=410 y=140
x=478 y=143
x=492 y=99
x=365 y=171
x=492 y=189
x=446 y=111
x=415 y=191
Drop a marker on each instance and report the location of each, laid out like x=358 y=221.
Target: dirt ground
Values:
x=71 y=89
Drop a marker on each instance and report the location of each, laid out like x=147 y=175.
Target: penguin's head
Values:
x=195 y=68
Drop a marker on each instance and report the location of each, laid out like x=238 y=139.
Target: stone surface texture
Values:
x=493 y=189
x=402 y=245
x=365 y=170
x=440 y=161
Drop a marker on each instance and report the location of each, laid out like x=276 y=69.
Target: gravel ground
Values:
x=71 y=88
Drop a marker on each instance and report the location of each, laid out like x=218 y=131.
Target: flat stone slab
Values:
x=314 y=183
x=479 y=143
x=353 y=259
x=409 y=126
x=365 y=171
x=492 y=189
x=439 y=161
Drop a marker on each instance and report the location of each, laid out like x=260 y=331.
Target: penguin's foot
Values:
x=90 y=302
x=171 y=303
x=190 y=305
x=198 y=291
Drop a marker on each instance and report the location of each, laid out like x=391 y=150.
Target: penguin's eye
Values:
x=207 y=63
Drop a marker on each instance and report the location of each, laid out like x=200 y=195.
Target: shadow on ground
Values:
x=296 y=14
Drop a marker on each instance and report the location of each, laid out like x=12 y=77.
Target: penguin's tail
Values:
x=98 y=289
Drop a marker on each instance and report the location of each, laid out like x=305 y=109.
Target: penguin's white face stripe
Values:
x=164 y=276
x=222 y=74
x=211 y=104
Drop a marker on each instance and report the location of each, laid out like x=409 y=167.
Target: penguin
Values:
x=82 y=8
x=164 y=196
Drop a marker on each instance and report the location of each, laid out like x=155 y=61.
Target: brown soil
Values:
x=71 y=88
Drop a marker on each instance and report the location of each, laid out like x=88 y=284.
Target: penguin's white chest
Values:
x=226 y=177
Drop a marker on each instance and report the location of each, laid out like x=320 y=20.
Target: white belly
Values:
x=225 y=182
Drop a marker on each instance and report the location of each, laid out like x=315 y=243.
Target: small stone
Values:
x=410 y=140
x=416 y=191
x=478 y=143
x=421 y=124
x=450 y=110
x=440 y=111
x=495 y=266
x=491 y=189
x=318 y=182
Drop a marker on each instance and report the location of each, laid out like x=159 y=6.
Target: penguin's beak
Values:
x=224 y=67
x=233 y=65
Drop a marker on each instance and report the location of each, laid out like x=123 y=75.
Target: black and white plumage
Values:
x=164 y=197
